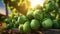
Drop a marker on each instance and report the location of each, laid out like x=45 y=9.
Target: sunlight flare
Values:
x=36 y=2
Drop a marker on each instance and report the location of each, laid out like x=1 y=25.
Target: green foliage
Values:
x=8 y=26
x=2 y=18
x=7 y=20
x=16 y=24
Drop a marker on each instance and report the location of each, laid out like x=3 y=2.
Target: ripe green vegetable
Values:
x=38 y=14
x=47 y=23
x=22 y=19
x=30 y=14
x=55 y=24
x=51 y=5
x=21 y=27
x=26 y=27
x=35 y=24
